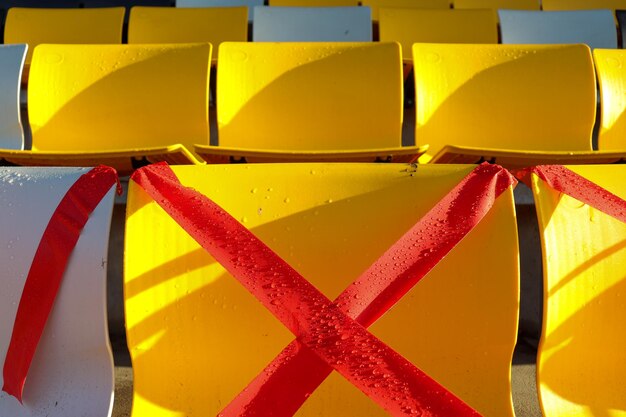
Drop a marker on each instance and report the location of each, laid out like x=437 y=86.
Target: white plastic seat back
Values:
x=11 y=65
x=251 y=4
x=71 y=373
x=595 y=28
x=312 y=24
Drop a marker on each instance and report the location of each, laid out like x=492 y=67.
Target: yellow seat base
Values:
x=124 y=161
x=520 y=159
x=220 y=154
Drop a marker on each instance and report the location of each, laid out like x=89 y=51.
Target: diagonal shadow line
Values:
x=118 y=112
x=347 y=118
x=199 y=257
x=523 y=123
x=587 y=265
x=578 y=339
x=193 y=260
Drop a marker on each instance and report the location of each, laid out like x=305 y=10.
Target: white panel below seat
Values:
x=596 y=28
x=72 y=370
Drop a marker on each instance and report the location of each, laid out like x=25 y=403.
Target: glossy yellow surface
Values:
x=409 y=26
x=183 y=25
x=497 y=4
x=376 y=5
x=73 y=26
x=309 y=96
x=106 y=98
x=581 y=361
x=221 y=155
x=512 y=97
x=123 y=161
x=582 y=4
x=512 y=159
x=612 y=81
x=197 y=337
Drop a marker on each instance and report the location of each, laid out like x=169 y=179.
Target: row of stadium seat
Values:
x=597 y=28
x=445 y=4
x=128 y=105
x=197 y=337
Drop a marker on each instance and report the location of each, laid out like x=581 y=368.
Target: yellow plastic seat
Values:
x=497 y=4
x=580 y=365
x=612 y=80
x=250 y=4
x=376 y=5
x=119 y=105
x=314 y=101
x=34 y=26
x=510 y=104
x=187 y=25
x=409 y=26
x=582 y=4
x=197 y=337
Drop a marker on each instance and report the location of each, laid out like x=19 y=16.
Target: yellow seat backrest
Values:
x=612 y=80
x=581 y=361
x=512 y=97
x=184 y=25
x=309 y=96
x=583 y=4
x=376 y=5
x=197 y=337
x=73 y=26
x=118 y=97
x=497 y=4
x=409 y=26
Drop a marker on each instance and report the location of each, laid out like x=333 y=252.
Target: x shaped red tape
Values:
x=332 y=335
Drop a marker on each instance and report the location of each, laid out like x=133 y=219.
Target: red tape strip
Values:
x=568 y=182
x=320 y=325
x=296 y=371
x=47 y=270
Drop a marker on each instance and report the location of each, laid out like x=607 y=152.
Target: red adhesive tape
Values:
x=284 y=381
x=47 y=270
x=325 y=331
x=568 y=182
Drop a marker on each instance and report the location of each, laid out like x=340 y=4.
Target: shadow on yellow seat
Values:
x=34 y=26
x=187 y=25
x=581 y=364
x=509 y=104
x=120 y=105
x=197 y=337
x=376 y=5
x=409 y=26
x=312 y=101
x=612 y=80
